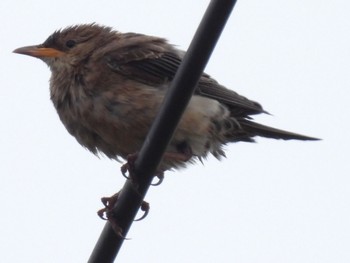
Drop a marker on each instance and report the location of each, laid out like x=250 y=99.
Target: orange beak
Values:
x=39 y=52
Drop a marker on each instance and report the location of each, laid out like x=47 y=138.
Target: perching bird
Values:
x=107 y=87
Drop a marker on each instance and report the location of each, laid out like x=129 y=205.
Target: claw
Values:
x=117 y=229
x=160 y=176
x=105 y=201
x=124 y=169
x=101 y=213
x=129 y=166
x=109 y=203
x=144 y=207
x=106 y=213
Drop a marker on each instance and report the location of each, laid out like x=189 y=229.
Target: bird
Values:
x=107 y=87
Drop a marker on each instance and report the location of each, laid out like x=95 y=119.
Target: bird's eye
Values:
x=70 y=43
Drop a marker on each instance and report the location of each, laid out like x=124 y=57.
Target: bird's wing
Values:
x=154 y=62
x=147 y=59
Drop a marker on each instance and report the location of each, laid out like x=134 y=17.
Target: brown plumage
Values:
x=107 y=87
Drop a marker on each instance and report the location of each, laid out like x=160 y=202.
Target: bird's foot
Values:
x=109 y=203
x=106 y=213
x=128 y=167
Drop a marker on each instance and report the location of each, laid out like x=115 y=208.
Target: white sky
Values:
x=273 y=201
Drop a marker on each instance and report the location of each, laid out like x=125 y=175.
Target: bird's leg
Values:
x=129 y=167
x=184 y=154
x=172 y=156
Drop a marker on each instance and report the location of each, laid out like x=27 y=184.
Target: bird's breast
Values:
x=115 y=120
x=112 y=120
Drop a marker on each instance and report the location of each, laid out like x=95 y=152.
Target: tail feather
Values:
x=256 y=129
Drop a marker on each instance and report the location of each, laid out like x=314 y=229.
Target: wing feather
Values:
x=153 y=61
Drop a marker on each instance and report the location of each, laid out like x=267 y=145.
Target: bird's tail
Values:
x=256 y=129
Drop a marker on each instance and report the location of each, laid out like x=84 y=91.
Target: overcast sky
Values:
x=273 y=201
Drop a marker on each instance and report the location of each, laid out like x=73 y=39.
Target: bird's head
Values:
x=70 y=46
